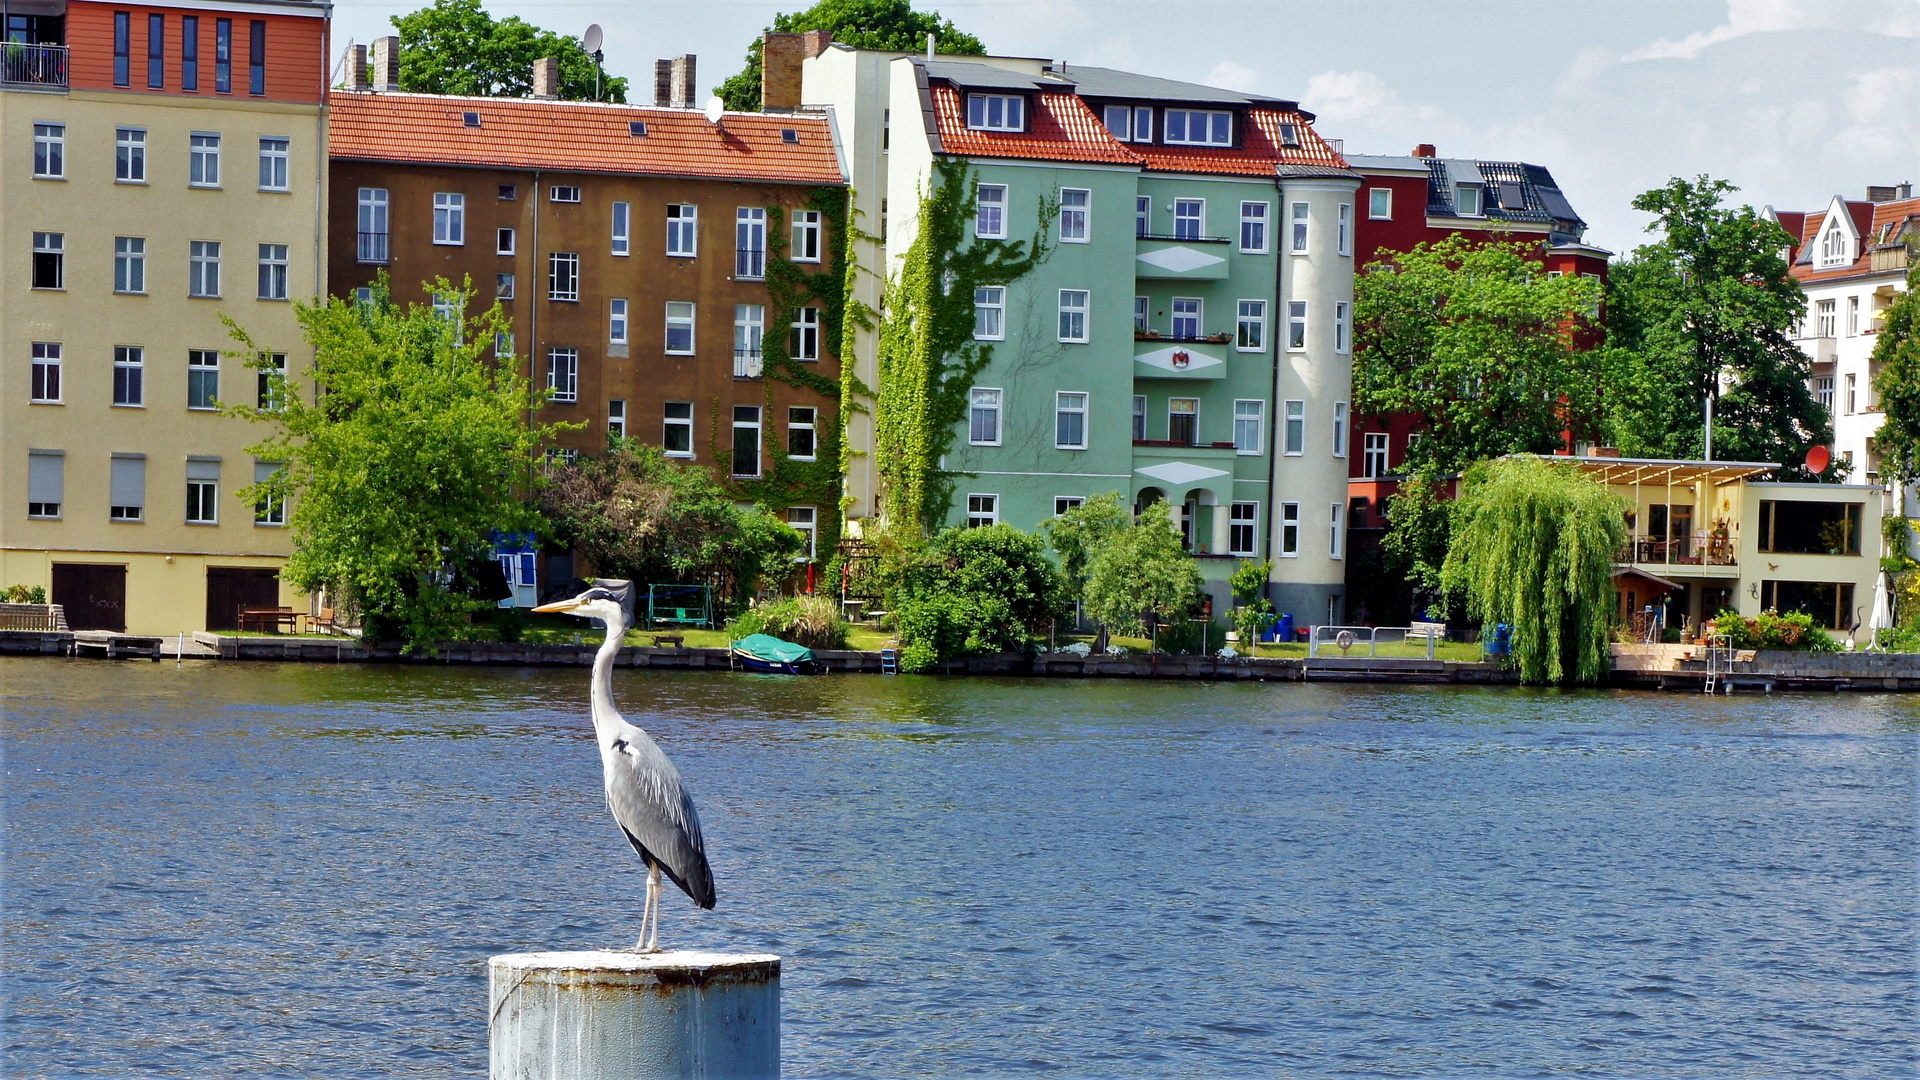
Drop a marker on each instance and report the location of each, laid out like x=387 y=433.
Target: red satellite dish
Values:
x=1818 y=459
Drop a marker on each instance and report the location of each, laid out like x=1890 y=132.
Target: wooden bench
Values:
x=1424 y=631
x=669 y=641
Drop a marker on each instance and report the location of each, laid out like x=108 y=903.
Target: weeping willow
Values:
x=1533 y=546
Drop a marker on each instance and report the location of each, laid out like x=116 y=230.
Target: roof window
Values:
x=471 y=119
x=1512 y=195
x=1466 y=200
x=1289 y=135
x=637 y=128
x=789 y=135
x=996 y=112
x=1191 y=127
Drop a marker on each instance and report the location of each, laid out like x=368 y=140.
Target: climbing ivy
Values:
x=927 y=357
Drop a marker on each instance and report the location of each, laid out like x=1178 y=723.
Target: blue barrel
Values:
x=1283 y=630
x=1502 y=640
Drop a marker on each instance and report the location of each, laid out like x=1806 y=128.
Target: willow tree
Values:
x=1533 y=547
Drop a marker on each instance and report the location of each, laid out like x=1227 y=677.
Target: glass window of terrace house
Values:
x=1810 y=528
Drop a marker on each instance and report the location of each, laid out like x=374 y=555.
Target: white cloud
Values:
x=1894 y=18
x=1359 y=97
x=1229 y=75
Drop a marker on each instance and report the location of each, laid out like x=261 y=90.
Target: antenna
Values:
x=715 y=109
x=590 y=42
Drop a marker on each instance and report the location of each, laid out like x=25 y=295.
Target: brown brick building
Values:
x=670 y=279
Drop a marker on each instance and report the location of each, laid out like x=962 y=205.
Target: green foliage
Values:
x=1249 y=585
x=927 y=356
x=1533 y=547
x=973 y=591
x=637 y=514
x=1772 y=630
x=406 y=461
x=1896 y=354
x=455 y=47
x=1708 y=309
x=890 y=25
x=1080 y=532
x=1419 y=525
x=1141 y=570
x=26 y=594
x=811 y=620
x=1477 y=339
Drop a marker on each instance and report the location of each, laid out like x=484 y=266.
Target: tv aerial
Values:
x=590 y=43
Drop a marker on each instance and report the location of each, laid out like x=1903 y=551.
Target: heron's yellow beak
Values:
x=560 y=605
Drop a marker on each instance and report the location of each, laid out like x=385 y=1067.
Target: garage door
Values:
x=230 y=588
x=94 y=595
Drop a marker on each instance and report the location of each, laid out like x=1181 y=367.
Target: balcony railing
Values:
x=1697 y=550
x=746 y=363
x=33 y=65
x=749 y=263
x=1179 y=444
x=373 y=248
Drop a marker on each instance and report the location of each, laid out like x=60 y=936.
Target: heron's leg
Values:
x=654 y=892
x=646 y=912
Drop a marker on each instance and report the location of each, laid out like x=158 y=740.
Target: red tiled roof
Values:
x=1063 y=129
x=1869 y=219
x=1795 y=223
x=1259 y=152
x=517 y=133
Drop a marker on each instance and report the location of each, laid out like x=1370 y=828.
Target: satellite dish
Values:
x=590 y=41
x=715 y=107
x=1818 y=459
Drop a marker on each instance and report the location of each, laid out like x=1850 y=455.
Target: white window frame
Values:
x=1143 y=124
x=129 y=377
x=1250 y=314
x=1293 y=419
x=563 y=276
x=133 y=468
x=505 y=241
x=1140 y=417
x=990 y=313
x=563 y=373
x=1373 y=454
x=805 y=334
x=810 y=425
x=617 y=417
x=49 y=151
x=750 y=243
x=1460 y=193
x=983 y=509
x=683 y=230
x=740 y=424
x=271 y=511
x=1342 y=327
x=563 y=193
x=1076 y=217
x=1336 y=512
x=55 y=244
x=681 y=319
x=1067 y=403
x=805 y=520
x=622 y=243
x=1296 y=321
x=1249 y=426
x=670 y=422
x=203 y=269
x=1075 y=302
x=1853 y=316
x=1243 y=516
x=990 y=212
x=1142 y=215
x=1339 y=429
x=1196 y=314
x=1299 y=228
x=1124 y=132
x=130 y=265
x=806 y=236
x=1343 y=230
x=1824 y=321
x=1063 y=504
x=1198 y=218
x=276 y=163
x=1289 y=547
x=450 y=218
x=1182 y=121
x=984 y=402
x=203 y=159
x=1852 y=394
x=1254 y=218
x=503 y=286
x=1193 y=412
x=273 y=272
x=264 y=397
x=1380 y=208
x=617 y=321
x=371 y=221
x=749 y=338
x=1142 y=313
x=997 y=112
x=48 y=374
x=130 y=155
x=203 y=497
x=38 y=483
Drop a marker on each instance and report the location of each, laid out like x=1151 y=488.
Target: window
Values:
x=447 y=308
x=801 y=520
x=746 y=440
x=1853 y=397
x=127 y=487
x=1823 y=319
x=203 y=491
x=156 y=52
x=563 y=193
x=1830 y=603
x=1074 y=205
x=1253 y=227
x=1296 y=325
x=1251 y=332
x=49 y=151
x=274 y=155
x=203 y=159
x=449 y=217
x=1183 y=421
x=1189 y=219
x=1343 y=230
x=1342 y=326
x=373 y=225
x=272 y=375
x=1834 y=248
x=682 y=220
x=563 y=275
x=129 y=376
x=617 y=417
x=1373 y=455
x=803 y=339
x=983 y=416
x=1186 y=318
x=1119 y=121
x=1823 y=391
x=996 y=112
x=1380 y=204
x=676 y=436
x=616 y=322
x=1334 y=514
x=130 y=155
x=503 y=286
x=1139 y=417
x=129 y=264
x=122 y=62
x=749 y=326
x=1243 y=524
x=1853 y=316
x=273 y=271
x=46 y=483
x=750 y=243
x=222 y=56
x=1289 y=530
x=1065 y=503
x=1070 y=420
x=1249 y=420
x=1073 y=315
x=1142 y=124
x=1810 y=528
x=1141 y=309
x=271 y=509
x=509 y=192
x=1142 y=215
x=203 y=379
x=504 y=242
x=680 y=327
x=1339 y=429
x=800 y=432
x=1302 y=215
x=1296 y=428
x=257 y=58
x=1466 y=199
x=49 y=260
x=502 y=344
x=563 y=373
x=982 y=511
x=990 y=212
x=1194 y=128
x=203 y=268
x=989 y=313
x=190 y=52
x=46 y=372
x=806 y=236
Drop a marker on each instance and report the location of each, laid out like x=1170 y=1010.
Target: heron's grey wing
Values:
x=651 y=804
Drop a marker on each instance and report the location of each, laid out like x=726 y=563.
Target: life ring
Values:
x=1344 y=639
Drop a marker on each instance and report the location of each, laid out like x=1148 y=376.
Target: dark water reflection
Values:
x=253 y=870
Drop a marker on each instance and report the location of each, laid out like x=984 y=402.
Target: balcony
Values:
x=749 y=264
x=1201 y=258
x=746 y=363
x=1821 y=350
x=1699 y=555
x=373 y=248
x=1884 y=257
x=1170 y=358
x=33 y=66
x=1176 y=467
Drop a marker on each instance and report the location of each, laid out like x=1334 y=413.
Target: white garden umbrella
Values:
x=1882 y=618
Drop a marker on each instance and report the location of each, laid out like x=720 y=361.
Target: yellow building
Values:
x=164 y=166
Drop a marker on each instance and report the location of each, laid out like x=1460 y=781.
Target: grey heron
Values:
x=644 y=790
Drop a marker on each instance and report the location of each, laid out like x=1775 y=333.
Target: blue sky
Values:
x=1793 y=100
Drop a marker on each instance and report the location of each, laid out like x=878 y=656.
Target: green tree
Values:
x=1533 y=547
x=406 y=460
x=455 y=47
x=1706 y=312
x=1249 y=585
x=974 y=591
x=864 y=24
x=1077 y=534
x=1142 y=571
x=1478 y=341
x=1419 y=523
x=1896 y=354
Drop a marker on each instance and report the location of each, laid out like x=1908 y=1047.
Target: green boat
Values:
x=763 y=652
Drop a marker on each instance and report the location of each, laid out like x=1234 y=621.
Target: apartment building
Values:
x=161 y=166
x=630 y=247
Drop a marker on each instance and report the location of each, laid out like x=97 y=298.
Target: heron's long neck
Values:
x=602 y=683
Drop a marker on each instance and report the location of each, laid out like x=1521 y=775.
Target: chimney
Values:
x=546 y=78
x=780 y=56
x=1878 y=193
x=356 y=67
x=386 y=63
x=663 y=83
x=817 y=42
x=683 y=81
x=1425 y=149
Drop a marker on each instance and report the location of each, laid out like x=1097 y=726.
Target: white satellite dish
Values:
x=715 y=108
x=590 y=41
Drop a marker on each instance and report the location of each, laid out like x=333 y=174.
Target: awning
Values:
x=1658 y=582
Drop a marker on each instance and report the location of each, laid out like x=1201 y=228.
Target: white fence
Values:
x=1406 y=642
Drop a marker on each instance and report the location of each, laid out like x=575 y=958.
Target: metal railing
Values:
x=749 y=262
x=33 y=65
x=746 y=363
x=1406 y=642
x=373 y=247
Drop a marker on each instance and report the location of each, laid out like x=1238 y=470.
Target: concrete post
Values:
x=633 y=1016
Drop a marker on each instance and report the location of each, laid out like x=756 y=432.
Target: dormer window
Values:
x=1289 y=135
x=1129 y=124
x=1191 y=127
x=996 y=112
x=1834 y=248
x=1466 y=199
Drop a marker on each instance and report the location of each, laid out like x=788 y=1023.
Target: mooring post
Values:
x=607 y=1015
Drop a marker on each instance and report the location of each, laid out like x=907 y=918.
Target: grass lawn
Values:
x=561 y=629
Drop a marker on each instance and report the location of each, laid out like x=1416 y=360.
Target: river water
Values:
x=249 y=870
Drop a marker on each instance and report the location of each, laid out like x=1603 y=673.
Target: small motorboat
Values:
x=763 y=652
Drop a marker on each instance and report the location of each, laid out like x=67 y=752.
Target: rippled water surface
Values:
x=258 y=870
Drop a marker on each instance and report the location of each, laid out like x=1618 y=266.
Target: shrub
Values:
x=26 y=594
x=972 y=591
x=1142 y=570
x=1772 y=630
x=811 y=620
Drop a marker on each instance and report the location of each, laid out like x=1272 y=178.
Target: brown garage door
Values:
x=95 y=596
x=230 y=588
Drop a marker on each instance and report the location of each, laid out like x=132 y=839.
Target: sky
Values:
x=1793 y=101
